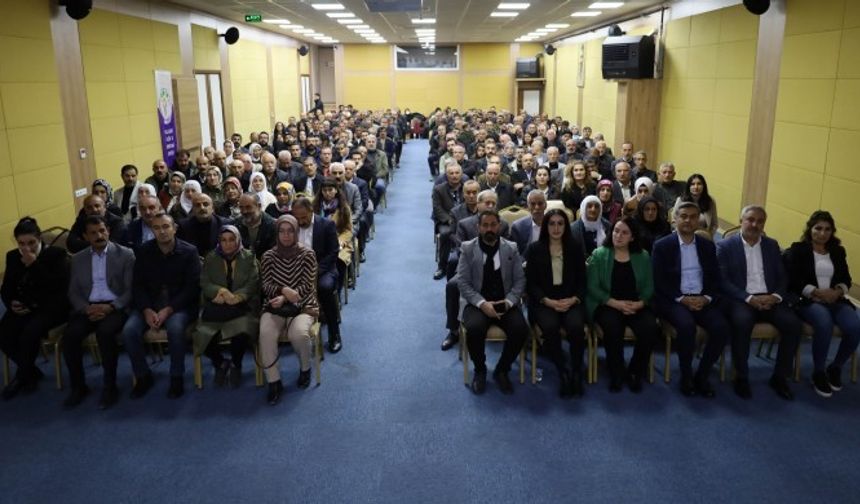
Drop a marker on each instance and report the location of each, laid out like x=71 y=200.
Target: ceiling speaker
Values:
x=231 y=36
x=550 y=49
x=77 y=9
x=757 y=7
x=303 y=50
x=615 y=31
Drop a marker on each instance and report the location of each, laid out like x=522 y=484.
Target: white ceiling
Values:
x=457 y=21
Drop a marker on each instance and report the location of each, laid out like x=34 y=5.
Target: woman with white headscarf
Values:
x=141 y=190
x=183 y=208
x=643 y=187
x=590 y=229
x=258 y=186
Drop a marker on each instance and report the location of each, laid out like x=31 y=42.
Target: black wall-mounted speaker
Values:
x=77 y=9
x=757 y=7
x=303 y=50
x=231 y=36
x=550 y=49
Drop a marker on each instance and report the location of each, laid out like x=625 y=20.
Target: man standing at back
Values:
x=445 y=197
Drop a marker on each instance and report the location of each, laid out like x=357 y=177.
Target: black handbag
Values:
x=223 y=313
x=287 y=310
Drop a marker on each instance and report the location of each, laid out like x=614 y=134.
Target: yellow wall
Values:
x=707 y=91
x=549 y=94
x=120 y=54
x=250 y=87
x=34 y=174
x=483 y=80
x=598 y=95
x=206 y=53
x=817 y=128
x=566 y=92
x=285 y=71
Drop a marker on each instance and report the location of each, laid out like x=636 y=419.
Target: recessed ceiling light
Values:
x=318 y=36
x=335 y=15
x=296 y=27
x=358 y=27
x=504 y=14
x=377 y=41
x=303 y=30
x=276 y=21
x=424 y=21
x=605 y=5
x=349 y=21
x=546 y=30
x=586 y=14
x=327 y=6
x=514 y=5
x=285 y=27
x=419 y=32
x=557 y=25
x=366 y=30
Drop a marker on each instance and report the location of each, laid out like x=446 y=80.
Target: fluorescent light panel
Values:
x=605 y=5
x=424 y=21
x=276 y=21
x=336 y=15
x=327 y=6
x=514 y=5
x=557 y=25
x=358 y=27
x=586 y=14
x=349 y=21
x=504 y=14
x=546 y=30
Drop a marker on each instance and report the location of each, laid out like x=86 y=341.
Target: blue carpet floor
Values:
x=392 y=421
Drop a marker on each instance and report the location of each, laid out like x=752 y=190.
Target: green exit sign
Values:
x=253 y=18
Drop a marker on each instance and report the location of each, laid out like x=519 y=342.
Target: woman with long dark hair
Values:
x=819 y=276
x=652 y=222
x=576 y=184
x=696 y=191
x=555 y=282
x=332 y=204
x=620 y=286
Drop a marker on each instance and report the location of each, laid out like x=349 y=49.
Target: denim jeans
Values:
x=822 y=318
x=132 y=337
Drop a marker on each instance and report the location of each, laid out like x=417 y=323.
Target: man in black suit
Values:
x=320 y=234
x=256 y=227
x=273 y=174
x=686 y=294
x=100 y=292
x=290 y=166
x=756 y=285
x=622 y=186
x=94 y=206
x=201 y=229
x=310 y=181
x=445 y=197
x=526 y=229
x=366 y=220
x=504 y=192
x=139 y=231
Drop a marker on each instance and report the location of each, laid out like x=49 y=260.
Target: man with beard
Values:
x=202 y=228
x=93 y=206
x=256 y=227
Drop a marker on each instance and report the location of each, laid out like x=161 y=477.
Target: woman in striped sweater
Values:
x=289 y=275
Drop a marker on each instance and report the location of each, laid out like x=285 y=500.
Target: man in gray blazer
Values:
x=100 y=293
x=491 y=281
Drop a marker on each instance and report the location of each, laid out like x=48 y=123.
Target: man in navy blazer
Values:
x=755 y=285
x=321 y=234
x=527 y=229
x=686 y=294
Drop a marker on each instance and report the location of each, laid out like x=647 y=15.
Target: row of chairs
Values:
x=593 y=335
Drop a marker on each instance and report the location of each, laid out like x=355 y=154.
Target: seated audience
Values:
x=491 y=281
x=285 y=194
x=332 y=205
x=590 y=229
x=230 y=288
x=504 y=191
x=103 y=190
x=100 y=294
x=256 y=227
x=542 y=183
x=170 y=194
x=667 y=190
x=686 y=288
x=527 y=229
x=139 y=231
x=93 y=206
x=622 y=187
x=34 y=294
x=166 y=297
x=126 y=197
x=183 y=208
x=288 y=274
x=212 y=186
x=640 y=167
x=445 y=197
x=555 y=283
x=610 y=208
x=203 y=227
x=620 y=286
x=651 y=221
x=643 y=186
x=819 y=279
x=159 y=178
x=576 y=184
x=229 y=208
x=755 y=287
x=259 y=187
x=696 y=191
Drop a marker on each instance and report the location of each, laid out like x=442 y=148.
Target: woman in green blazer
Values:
x=230 y=284
x=620 y=286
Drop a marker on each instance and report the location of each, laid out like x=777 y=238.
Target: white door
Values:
x=211 y=109
x=306 y=93
x=531 y=101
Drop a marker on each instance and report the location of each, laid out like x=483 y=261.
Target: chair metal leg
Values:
x=464 y=354
x=723 y=366
x=318 y=350
x=651 y=369
x=198 y=372
x=667 y=377
x=258 y=372
x=797 y=365
x=58 y=365
x=5 y=370
x=523 y=366
x=854 y=367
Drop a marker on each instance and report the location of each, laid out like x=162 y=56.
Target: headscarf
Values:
x=176 y=174
x=220 y=175
x=284 y=252
x=251 y=152
x=660 y=223
x=643 y=181
x=104 y=183
x=136 y=193
x=236 y=182
x=291 y=190
x=261 y=176
x=229 y=228
x=593 y=226
x=184 y=200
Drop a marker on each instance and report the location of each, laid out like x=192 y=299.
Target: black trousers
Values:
x=551 y=322
x=685 y=321
x=327 y=294
x=744 y=318
x=444 y=231
x=364 y=224
x=107 y=332
x=238 y=345
x=20 y=336
x=433 y=162
x=477 y=324
x=613 y=323
x=452 y=306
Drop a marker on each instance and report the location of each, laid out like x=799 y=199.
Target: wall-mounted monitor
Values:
x=438 y=58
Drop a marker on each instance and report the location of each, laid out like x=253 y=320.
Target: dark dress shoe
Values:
x=576 y=386
x=76 y=397
x=235 y=376
x=780 y=385
x=687 y=388
x=704 y=388
x=450 y=340
x=176 y=389
x=362 y=258
x=742 y=389
x=565 y=389
x=615 y=384
x=304 y=380
x=221 y=374
x=273 y=397
x=479 y=382
x=503 y=382
x=334 y=343
x=144 y=383
x=634 y=383
x=439 y=274
x=109 y=397
x=12 y=389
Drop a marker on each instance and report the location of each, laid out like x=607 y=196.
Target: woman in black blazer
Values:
x=34 y=293
x=555 y=283
x=819 y=276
